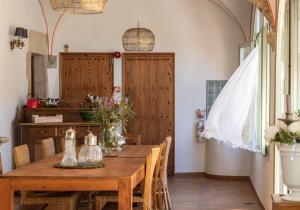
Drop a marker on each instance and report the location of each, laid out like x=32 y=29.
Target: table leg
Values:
x=125 y=194
x=6 y=195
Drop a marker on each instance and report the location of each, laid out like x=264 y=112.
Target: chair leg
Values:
x=154 y=196
x=169 y=200
x=160 y=199
x=165 y=198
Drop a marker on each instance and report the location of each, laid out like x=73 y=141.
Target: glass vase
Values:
x=109 y=140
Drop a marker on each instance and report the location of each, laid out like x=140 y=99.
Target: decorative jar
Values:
x=69 y=155
x=90 y=153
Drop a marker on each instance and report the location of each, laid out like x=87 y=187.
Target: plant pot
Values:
x=290 y=161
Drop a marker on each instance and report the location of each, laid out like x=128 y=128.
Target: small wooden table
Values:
x=279 y=204
x=120 y=174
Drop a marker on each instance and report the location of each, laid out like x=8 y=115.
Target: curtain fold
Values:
x=233 y=118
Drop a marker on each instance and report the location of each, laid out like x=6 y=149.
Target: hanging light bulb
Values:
x=79 y=6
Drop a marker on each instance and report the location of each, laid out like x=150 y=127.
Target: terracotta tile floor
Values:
x=200 y=193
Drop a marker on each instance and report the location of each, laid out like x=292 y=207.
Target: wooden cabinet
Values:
x=148 y=78
x=32 y=133
x=84 y=73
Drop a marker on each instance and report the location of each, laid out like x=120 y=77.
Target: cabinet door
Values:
x=85 y=73
x=148 y=78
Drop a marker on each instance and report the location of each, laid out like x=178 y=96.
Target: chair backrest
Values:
x=165 y=158
x=1 y=171
x=132 y=139
x=150 y=167
x=161 y=169
x=21 y=155
x=47 y=148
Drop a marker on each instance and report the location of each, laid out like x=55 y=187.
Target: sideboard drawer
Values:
x=42 y=132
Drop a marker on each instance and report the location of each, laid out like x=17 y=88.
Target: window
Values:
x=260 y=31
x=282 y=71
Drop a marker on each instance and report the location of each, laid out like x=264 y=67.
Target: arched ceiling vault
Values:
x=241 y=13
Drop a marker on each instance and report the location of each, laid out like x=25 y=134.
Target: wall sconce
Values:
x=18 y=42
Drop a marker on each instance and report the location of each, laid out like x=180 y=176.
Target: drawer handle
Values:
x=63 y=132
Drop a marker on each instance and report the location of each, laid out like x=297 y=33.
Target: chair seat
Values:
x=31 y=207
x=55 y=200
x=114 y=206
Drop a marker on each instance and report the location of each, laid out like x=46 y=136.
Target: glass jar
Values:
x=69 y=155
x=90 y=153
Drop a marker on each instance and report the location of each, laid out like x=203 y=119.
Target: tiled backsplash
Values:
x=213 y=89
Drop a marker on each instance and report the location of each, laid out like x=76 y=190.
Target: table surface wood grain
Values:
x=121 y=173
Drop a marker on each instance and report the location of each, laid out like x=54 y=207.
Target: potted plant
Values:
x=287 y=138
x=111 y=113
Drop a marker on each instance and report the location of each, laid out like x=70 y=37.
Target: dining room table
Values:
x=122 y=172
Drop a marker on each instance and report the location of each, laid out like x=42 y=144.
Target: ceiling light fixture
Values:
x=79 y=6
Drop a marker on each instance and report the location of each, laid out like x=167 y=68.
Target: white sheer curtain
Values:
x=234 y=116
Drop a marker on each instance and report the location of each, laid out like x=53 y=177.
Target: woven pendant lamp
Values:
x=79 y=6
x=138 y=39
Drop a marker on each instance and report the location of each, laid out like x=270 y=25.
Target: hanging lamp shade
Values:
x=138 y=39
x=79 y=6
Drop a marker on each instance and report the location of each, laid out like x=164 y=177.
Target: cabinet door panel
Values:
x=84 y=73
x=148 y=78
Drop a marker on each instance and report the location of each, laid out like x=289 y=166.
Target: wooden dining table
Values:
x=122 y=173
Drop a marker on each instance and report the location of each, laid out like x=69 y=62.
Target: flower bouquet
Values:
x=111 y=114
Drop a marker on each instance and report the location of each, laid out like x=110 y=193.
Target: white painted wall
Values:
x=13 y=76
x=203 y=37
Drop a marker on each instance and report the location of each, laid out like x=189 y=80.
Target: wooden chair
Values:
x=21 y=155
x=47 y=148
x=55 y=200
x=132 y=139
x=110 y=201
x=161 y=192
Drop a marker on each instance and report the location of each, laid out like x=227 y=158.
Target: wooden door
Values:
x=148 y=79
x=85 y=73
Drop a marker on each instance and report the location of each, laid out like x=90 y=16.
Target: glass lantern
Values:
x=90 y=153
x=69 y=156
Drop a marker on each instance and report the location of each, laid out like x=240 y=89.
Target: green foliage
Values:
x=286 y=137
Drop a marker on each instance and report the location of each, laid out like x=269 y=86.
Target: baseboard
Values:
x=191 y=174
x=217 y=177
x=229 y=178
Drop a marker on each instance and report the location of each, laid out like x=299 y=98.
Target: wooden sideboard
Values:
x=279 y=204
x=32 y=133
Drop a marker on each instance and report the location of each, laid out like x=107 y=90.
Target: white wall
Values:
x=203 y=37
x=13 y=76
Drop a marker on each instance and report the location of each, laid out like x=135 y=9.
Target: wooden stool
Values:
x=279 y=204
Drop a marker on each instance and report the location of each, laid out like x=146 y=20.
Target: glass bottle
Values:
x=69 y=156
x=90 y=153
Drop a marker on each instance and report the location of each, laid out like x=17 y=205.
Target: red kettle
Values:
x=32 y=102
